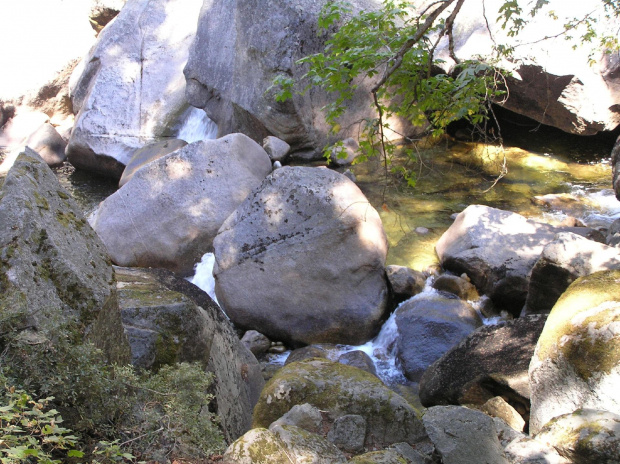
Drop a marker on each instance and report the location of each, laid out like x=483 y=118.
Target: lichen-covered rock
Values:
x=169 y=212
x=463 y=436
x=586 y=436
x=526 y=450
x=168 y=319
x=493 y=360
x=305 y=416
x=302 y=260
x=130 y=89
x=348 y=433
x=307 y=447
x=576 y=363
x=259 y=445
x=428 y=327
x=562 y=261
x=53 y=267
x=340 y=390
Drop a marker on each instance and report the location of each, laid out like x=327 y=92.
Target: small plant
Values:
x=31 y=431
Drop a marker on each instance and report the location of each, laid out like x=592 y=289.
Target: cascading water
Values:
x=203 y=277
x=196 y=126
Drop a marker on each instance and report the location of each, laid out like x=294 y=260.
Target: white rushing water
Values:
x=203 y=277
x=196 y=126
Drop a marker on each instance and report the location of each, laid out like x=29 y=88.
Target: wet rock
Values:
x=348 y=433
x=256 y=342
x=53 y=266
x=168 y=214
x=359 y=359
x=189 y=326
x=457 y=286
x=340 y=390
x=562 y=261
x=497 y=250
x=307 y=352
x=428 y=327
x=492 y=361
x=463 y=435
x=130 y=90
x=302 y=260
x=405 y=282
x=584 y=436
x=149 y=153
x=576 y=363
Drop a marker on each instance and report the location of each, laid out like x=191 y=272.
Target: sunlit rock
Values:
x=169 y=212
x=577 y=359
x=130 y=89
x=302 y=260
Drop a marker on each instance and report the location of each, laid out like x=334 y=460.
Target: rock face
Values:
x=269 y=45
x=302 y=260
x=497 y=250
x=428 y=327
x=492 y=361
x=577 y=359
x=130 y=90
x=544 y=85
x=169 y=212
x=168 y=319
x=587 y=435
x=340 y=390
x=463 y=435
x=54 y=267
x=562 y=261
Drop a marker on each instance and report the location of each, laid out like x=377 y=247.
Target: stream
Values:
x=450 y=176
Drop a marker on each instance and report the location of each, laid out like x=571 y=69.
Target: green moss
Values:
x=166 y=351
x=70 y=220
x=62 y=195
x=41 y=201
x=585 y=292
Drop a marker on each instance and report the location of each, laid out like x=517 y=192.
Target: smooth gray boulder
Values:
x=359 y=359
x=149 y=153
x=168 y=320
x=491 y=361
x=348 y=433
x=304 y=416
x=576 y=363
x=48 y=143
x=277 y=149
x=566 y=258
x=584 y=436
x=463 y=436
x=497 y=249
x=168 y=214
x=302 y=260
x=130 y=89
x=269 y=45
x=53 y=268
x=428 y=327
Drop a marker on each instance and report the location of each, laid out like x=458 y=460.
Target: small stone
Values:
x=256 y=342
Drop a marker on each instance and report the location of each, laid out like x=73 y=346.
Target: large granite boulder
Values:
x=428 y=327
x=54 y=269
x=497 y=249
x=148 y=153
x=130 y=89
x=492 y=361
x=562 y=261
x=543 y=84
x=232 y=39
x=167 y=319
x=576 y=363
x=340 y=390
x=168 y=214
x=302 y=260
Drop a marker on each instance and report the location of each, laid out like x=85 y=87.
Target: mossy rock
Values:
x=388 y=456
x=340 y=389
x=585 y=436
x=577 y=359
x=306 y=446
x=258 y=446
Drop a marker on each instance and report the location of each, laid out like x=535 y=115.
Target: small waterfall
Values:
x=196 y=126
x=203 y=278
